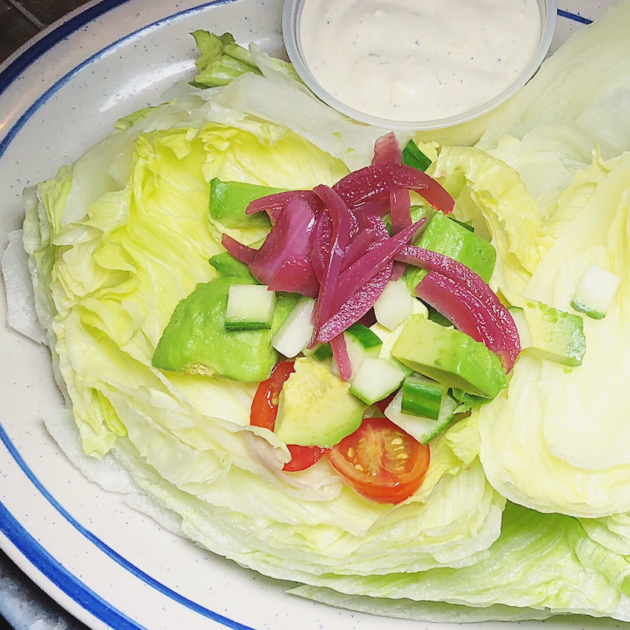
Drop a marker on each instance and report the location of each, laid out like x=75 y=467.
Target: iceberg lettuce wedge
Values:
x=558 y=439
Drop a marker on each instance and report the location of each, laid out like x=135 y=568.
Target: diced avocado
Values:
x=412 y=156
x=550 y=333
x=196 y=341
x=465 y=401
x=229 y=200
x=596 y=292
x=417 y=212
x=227 y=265
x=250 y=307
x=316 y=408
x=450 y=357
x=389 y=337
x=455 y=241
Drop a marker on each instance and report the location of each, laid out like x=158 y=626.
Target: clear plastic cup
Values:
x=291 y=19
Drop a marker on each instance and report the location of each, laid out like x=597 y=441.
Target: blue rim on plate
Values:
x=23 y=541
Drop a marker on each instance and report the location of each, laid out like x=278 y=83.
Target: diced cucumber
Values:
x=394 y=305
x=422 y=429
x=596 y=291
x=412 y=156
x=550 y=333
x=438 y=318
x=297 y=330
x=466 y=226
x=322 y=352
x=249 y=307
x=376 y=379
x=422 y=396
x=361 y=343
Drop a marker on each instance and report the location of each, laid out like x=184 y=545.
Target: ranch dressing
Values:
x=418 y=60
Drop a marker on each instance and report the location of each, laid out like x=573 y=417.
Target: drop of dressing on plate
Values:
x=417 y=60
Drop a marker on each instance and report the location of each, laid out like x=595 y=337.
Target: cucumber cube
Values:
x=422 y=429
x=376 y=379
x=422 y=396
x=297 y=330
x=323 y=351
x=249 y=307
x=596 y=292
x=394 y=305
x=361 y=343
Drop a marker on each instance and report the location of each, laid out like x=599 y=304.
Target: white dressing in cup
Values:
x=413 y=60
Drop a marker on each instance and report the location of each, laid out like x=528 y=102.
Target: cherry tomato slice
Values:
x=264 y=412
x=303 y=457
x=265 y=404
x=380 y=461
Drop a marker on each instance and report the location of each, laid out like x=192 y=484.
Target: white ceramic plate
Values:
x=104 y=562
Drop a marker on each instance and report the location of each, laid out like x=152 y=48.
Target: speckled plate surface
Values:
x=104 y=562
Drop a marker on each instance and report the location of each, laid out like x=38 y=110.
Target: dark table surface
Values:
x=22 y=19
x=21 y=602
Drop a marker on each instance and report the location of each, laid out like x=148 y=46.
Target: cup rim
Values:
x=291 y=17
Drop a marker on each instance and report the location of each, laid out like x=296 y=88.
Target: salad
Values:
x=411 y=403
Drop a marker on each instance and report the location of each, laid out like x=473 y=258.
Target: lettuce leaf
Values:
x=491 y=195
x=544 y=562
x=563 y=460
x=116 y=271
x=117 y=239
x=571 y=87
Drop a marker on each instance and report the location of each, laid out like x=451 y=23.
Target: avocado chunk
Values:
x=417 y=213
x=227 y=265
x=196 y=341
x=448 y=237
x=316 y=408
x=550 y=333
x=229 y=200
x=450 y=357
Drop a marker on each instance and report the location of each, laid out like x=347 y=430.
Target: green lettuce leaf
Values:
x=222 y=60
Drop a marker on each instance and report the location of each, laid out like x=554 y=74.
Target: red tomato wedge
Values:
x=264 y=412
x=380 y=461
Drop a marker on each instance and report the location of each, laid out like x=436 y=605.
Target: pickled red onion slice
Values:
x=468 y=314
x=379 y=180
